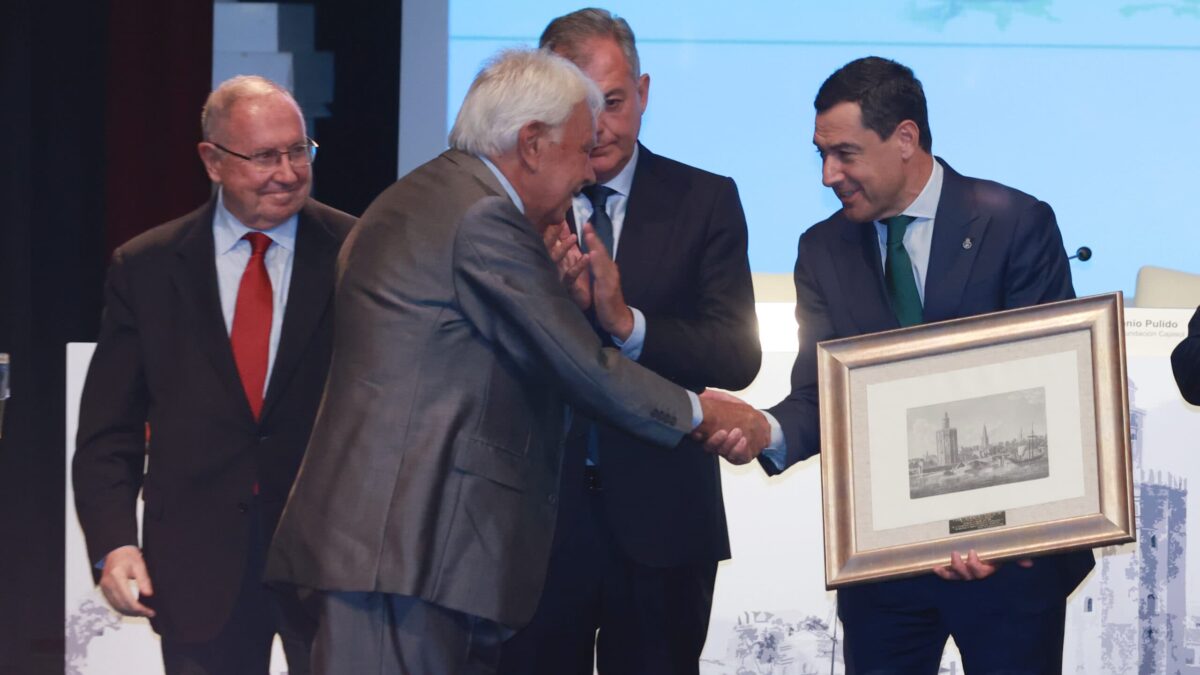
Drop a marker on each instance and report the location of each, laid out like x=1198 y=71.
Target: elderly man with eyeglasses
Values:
x=213 y=350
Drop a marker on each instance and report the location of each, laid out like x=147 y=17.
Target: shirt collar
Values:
x=926 y=203
x=508 y=187
x=228 y=230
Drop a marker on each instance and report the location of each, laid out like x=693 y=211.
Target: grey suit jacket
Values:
x=433 y=466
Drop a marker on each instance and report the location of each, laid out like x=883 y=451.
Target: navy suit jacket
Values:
x=684 y=265
x=993 y=248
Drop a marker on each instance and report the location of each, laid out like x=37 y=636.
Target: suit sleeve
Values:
x=798 y=414
x=111 y=441
x=717 y=345
x=1185 y=362
x=1038 y=270
x=508 y=288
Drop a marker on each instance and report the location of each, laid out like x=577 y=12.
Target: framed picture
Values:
x=1006 y=433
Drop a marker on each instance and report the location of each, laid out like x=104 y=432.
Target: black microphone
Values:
x=1082 y=254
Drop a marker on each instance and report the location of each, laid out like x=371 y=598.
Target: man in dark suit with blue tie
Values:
x=916 y=242
x=641 y=531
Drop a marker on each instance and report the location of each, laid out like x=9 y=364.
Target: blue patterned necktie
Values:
x=598 y=195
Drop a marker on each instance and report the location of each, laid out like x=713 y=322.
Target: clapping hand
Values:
x=613 y=314
x=563 y=247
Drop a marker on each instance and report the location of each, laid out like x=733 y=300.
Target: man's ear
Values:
x=211 y=158
x=909 y=137
x=531 y=143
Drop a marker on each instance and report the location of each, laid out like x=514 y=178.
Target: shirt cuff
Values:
x=697 y=411
x=632 y=348
x=776 y=452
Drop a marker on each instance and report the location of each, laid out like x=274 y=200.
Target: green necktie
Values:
x=898 y=273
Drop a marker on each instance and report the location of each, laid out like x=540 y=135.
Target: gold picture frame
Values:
x=910 y=472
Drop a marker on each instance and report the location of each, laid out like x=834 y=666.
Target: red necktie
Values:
x=251 y=333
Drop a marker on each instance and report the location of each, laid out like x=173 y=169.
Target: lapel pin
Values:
x=967 y=244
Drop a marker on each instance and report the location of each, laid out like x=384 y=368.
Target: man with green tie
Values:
x=915 y=242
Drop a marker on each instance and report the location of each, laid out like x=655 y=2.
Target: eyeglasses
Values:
x=298 y=155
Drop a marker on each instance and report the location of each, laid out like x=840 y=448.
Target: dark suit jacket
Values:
x=163 y=358
x=1015 y=258
x=433 y=467
x=1185 y=362
x=682 y=256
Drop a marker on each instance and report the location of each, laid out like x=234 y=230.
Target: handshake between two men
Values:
x=730 y=428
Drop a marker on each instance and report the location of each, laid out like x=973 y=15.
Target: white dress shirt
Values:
x=918 y=240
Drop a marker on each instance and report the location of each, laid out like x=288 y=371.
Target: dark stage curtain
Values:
x=98 y=122
x=360 y=137
x=100 y=103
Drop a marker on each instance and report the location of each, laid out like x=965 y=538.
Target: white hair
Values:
x=240 y=87
x=516 y=87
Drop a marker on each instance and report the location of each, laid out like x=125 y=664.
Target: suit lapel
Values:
x=308 y=300
x=860 y=274
x=958 y=230
x=195 y=279
x=649 y=213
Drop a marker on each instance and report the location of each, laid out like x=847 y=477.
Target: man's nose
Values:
x=831 y=172
x=284 y=171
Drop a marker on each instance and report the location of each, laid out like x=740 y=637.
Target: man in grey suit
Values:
x=426 y=504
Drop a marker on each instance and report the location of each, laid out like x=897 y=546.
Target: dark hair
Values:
x=887 y=92
x=567 y=33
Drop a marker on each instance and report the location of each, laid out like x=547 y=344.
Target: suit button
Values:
x=243 y=507
x=552 y=498
x=264 y=438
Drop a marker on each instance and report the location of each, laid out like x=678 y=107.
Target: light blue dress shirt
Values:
x=508 y=187
x=233 y=253
x=615 y=207
x=918 y=239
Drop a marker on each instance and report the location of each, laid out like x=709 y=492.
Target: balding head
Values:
x=239 y=88
x=252 y=131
